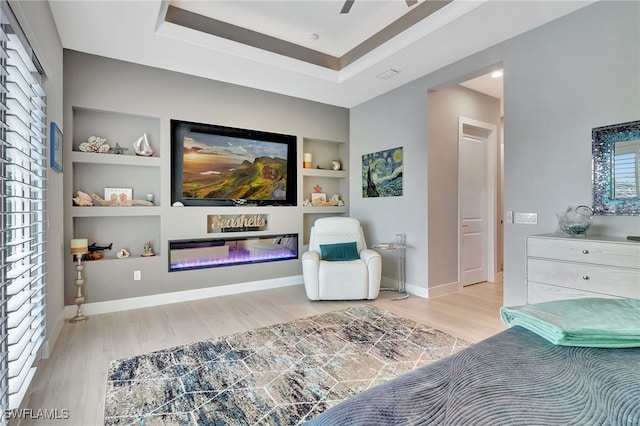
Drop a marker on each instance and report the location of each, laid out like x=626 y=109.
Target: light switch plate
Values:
x=527 y=218
x=509 y=216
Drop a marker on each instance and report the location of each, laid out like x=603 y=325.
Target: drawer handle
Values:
x=585 y=277
x=585 y=251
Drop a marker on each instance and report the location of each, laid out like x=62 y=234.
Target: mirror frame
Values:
x=603 y=141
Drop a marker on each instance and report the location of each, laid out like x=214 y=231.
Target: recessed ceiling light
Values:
x=496 y=74
x=314 y=36
x=387 y=74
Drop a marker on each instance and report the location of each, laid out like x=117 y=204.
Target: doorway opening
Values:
x=465 y=115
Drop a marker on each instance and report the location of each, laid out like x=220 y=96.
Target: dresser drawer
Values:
x=619 y=282
x=537 y=293
x=586 y=251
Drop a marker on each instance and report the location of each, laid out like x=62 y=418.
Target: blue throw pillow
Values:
x=340 y=251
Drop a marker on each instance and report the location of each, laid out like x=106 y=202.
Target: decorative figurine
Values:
x=94 y=247
x=148 y=251
x=336 y=165
x=96 y=251
x=142 y=146
x=317 y=188
x=122 y=254
x=119 y=150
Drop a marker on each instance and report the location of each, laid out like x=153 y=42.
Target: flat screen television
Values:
x=221 y=166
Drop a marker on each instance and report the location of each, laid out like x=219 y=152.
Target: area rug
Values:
x=283 y=374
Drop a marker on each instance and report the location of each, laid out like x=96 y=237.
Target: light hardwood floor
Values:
x=74 y=377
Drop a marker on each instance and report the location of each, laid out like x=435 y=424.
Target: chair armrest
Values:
x=369 y=256
x=373 y=260
x=312 y=256
x=310 y=274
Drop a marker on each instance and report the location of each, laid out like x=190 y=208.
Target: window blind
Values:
x=23 y=174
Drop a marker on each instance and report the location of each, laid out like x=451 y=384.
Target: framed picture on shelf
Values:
x=56 y=147
x=318 y=197
x=120 y=194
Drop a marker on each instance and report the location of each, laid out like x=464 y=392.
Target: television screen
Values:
x=216 y=165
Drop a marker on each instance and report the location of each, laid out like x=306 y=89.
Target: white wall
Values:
x=561 y=80
x=37 y=23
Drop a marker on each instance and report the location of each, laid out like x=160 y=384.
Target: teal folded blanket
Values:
x=593 y=322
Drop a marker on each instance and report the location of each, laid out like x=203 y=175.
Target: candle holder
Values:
x=79 y=299
x=306 y=160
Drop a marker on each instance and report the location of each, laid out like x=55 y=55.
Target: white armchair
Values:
x=348 y=270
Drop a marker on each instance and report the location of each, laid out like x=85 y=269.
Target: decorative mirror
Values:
x=616 y=169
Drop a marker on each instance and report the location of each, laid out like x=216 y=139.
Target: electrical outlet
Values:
x=137 y=275
x=527 y=218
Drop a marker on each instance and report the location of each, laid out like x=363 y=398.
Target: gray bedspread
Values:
x=512 y=378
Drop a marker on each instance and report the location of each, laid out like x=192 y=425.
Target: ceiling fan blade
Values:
x=347 y=6
x=411 y=2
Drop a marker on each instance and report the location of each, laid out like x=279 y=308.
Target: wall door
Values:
x=476 y=201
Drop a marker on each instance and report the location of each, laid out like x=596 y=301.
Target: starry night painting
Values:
x=382 y=173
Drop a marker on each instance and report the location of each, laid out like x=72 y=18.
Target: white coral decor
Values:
x=95 y=144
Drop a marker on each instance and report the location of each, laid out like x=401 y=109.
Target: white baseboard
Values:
x=441 y=290
x=418 y=291
x=98 y=308
x=388 y=283
x=49 y=343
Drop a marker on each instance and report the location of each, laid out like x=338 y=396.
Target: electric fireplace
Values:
x=213 y=253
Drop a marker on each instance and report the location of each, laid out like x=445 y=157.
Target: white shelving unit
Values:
x=125 y=227
x=331 y=181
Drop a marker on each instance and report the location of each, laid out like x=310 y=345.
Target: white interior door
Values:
x=476 y=192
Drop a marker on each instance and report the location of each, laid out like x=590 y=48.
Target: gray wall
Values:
x=37 y=22
x=561 y=80
x=445 y=106
x=395 y=119
x=99 y=83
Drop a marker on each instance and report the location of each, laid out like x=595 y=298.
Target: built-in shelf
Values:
x=338 y=174
x=114 y=159
x=99 y=211
x=126 y=227
x=325 y=209
x=331 y=182
x=102 y=266
x=110 y=257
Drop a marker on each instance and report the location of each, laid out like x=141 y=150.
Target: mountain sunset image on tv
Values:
x=214 y=165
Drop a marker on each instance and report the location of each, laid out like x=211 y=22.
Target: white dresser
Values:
x=563 y=267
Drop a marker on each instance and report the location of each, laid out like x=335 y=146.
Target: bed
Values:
x=515 y=377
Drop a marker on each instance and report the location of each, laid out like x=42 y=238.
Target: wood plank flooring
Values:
x=74 y=377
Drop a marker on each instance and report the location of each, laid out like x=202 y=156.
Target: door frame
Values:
x=491 y=152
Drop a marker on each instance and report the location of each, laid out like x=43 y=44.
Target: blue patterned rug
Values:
x=283 y=374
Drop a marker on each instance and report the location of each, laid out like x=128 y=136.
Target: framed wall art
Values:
x=56 y=147
x=382 y=173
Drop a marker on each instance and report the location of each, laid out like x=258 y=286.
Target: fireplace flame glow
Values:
x=185 y=255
